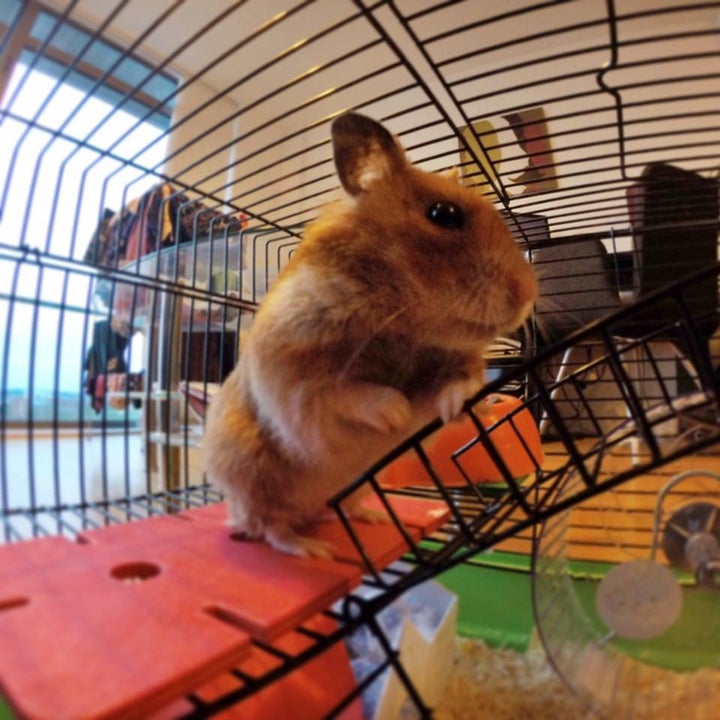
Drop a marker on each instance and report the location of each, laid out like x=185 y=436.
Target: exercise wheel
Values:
x=626 y=589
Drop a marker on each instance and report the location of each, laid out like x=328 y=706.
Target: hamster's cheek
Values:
x=501 y=306
x=526 y=285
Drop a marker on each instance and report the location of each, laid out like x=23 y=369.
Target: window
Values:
x=83 y=131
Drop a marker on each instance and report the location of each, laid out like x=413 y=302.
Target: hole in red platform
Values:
x=135 y=571
x=12 y=603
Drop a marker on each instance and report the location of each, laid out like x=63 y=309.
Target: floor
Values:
x=66 y=468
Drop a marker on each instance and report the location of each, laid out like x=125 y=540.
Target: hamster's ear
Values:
x=364 y=152
x=454 y=175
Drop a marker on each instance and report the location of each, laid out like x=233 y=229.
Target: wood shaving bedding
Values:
x=500 y=684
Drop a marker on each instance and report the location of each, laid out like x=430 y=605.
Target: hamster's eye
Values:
x=446 y=215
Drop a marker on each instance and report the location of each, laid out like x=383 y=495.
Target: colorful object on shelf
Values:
x=458 y=455
x=198 y=395
x=131 y=617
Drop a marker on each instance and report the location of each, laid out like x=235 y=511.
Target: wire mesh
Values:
x=160 y=162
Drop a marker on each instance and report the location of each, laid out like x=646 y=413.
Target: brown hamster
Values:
x=375 y=326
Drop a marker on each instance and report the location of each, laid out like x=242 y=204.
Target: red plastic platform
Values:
x=132 y=617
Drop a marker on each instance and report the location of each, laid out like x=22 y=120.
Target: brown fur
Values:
x=376 y=326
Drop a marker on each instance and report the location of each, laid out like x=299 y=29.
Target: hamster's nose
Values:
x=522 y=291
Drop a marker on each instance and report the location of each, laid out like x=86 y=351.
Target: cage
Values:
x=160 y=162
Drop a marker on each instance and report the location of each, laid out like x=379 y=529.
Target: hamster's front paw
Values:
x=451 y=398
x=380 y=407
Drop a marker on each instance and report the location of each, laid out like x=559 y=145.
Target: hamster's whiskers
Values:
x=462 y=301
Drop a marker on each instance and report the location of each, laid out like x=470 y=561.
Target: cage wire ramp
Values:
x=636 y=444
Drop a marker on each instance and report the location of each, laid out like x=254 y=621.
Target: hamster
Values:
x=376 y=326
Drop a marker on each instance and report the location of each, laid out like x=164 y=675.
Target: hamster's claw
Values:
x=452 y=397
x=285 y=540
